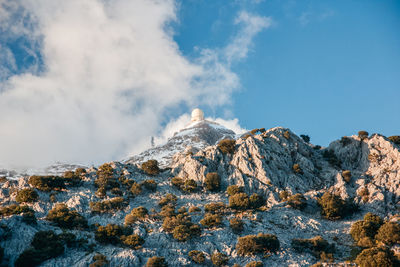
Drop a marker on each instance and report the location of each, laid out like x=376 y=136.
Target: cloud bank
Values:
x=109 y=71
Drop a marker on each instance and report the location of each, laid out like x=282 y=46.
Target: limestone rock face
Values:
x=266 y=163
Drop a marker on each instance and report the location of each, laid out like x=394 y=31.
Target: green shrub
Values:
x=181 y=227
x=28 y=214
x=177 y=182
x=333 y=207
x=364 y=231
x=297 y=201
x=183 y=232
x=255 y=264
x=227 y=146
x=215 y=207
x=306 y=138
x=27 y=195
x=236 y=225
x=45 y=245
x=150 y=167
x=239 y=201
x=297 y=169
x=253 y=244
x=168 y=211
x=212 y=181
x=113 y=204
x=363 y=135
x=65 y=218
x=116 y=191
x=133 y=241
x=316 y=246
x=233 y=189
x=156 y=262
x=346 y=176
x=99 y=261
x=395 y=139
x=149 y=184
x=47 y=183
x=219 y=259
x=136 y=189
x=197 y=256
x=283 y=195
x=256 y=201
x=111 y=233
x=389 y=233
x=106 y=177
x=194 y=209
x=72 y=178
x=168 y=199
x=190 y=185
x=135 y=215
x=375 y=257
x=211 y=220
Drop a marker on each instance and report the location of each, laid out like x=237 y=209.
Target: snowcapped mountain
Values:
x=300 y=200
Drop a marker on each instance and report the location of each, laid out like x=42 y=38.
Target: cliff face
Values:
x=267 y=163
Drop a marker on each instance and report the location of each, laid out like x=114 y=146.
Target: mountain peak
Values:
x=196 y=135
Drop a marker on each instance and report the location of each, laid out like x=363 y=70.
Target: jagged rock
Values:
x=262 y=163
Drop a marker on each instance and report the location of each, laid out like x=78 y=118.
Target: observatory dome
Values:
x=197 y=115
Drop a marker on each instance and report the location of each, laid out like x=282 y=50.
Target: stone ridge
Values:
x=267 y=163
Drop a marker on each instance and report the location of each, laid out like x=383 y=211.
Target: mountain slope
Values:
x=267 y=163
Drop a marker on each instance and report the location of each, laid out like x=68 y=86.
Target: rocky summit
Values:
x=210 y=197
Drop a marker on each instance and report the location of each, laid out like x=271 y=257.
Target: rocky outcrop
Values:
x=266 y=163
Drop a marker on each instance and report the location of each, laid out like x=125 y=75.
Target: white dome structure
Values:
x=197 y=115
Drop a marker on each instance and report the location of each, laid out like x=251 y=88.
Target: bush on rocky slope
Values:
x=156 y=262
x=150 y=167
x=211 y=220
x=111 y=234
x=136 y=214
x=99 y=261
x=215 y=207
x=212 y=181
x=234 y=189
x=239 y=201
x=227 y=146
x=168 y=199
x=27 y=195
x=254 y=244
x=255 y=264
x=113 y=204
x=65 y=218
x=45 y=245
x=316 y=246
x=363 y=135
x=364 y=231
x=197 y=256
x=333 y=207
x=236 y=225
x=389 y=233
x=376 y=257
x=219 y=259
x=47 y=183
x=28 y=214
x=297 y=201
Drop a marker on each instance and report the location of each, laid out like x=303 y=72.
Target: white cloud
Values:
x=252 y=25
x=111 y=70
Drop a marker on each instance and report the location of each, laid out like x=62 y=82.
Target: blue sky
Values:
x=91 y=81
x=325 y=68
